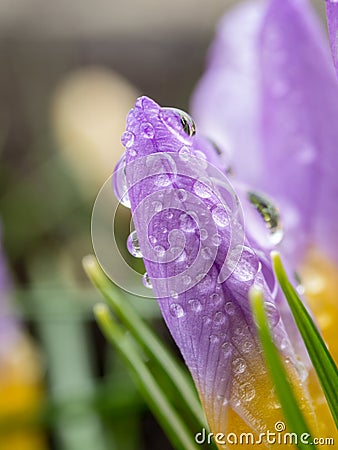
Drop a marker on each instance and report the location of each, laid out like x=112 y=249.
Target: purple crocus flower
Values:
x=201 y=263
x=269 y=96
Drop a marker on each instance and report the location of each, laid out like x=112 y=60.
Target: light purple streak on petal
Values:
x=8 y=324
x=332 y=23
x=211 y=322
x=300 y=116
x=227 y=99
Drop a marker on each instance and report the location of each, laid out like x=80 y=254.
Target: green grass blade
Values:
x=320 y=356
x=292 y=412
x=146 y=338
x=174 y=427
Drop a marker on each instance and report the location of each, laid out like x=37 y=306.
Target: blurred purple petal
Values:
x=299 y=119
x=332 y=22
x=270 y=95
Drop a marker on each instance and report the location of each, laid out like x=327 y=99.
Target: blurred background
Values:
x=70 y=71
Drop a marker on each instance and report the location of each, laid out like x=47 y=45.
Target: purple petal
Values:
x=299 y=119
x=332 y=22
x=270 y=95
x=201 y=265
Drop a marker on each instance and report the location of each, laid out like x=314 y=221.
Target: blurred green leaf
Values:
x=292 y=412
x=171 y=422
x=320 y=356
x=146 y=338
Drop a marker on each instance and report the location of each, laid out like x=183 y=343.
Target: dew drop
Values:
x=247 y=392
x=120 y=182
x=219 y=318
x=147 y=130
x=220 y=217
x=133 y=245
x=152 y=239
x=146 y=281
x=178 y=122
x=206 y=253
x=127 y=139
x=184 y=153
x=181 y=195
x=176 y=310
x=215 y=298
x=247 y=347
x=227 y=348
x=247 y=266
x=195 y=305
x=157 y=206
x=202 y=189
x=203 y=234
x=239 y=366
x=272 y=314
x=187 y=223
x=216 y=240
x=174 y=295
x=202 y=159
x=159 y=250
x=229 y=308
x=163 y=180
x=186 y=280
x=214 y=339
x=270 y=215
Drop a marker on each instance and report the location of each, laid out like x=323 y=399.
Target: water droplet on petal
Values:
x=215 y=298
x=186 y=280
x=202 y=188
x=120 y=182
x=202 y=159
x=163 y=180
x=272 y=314
x=229 y=308
x=176 y=310
x=152 y=239
x=214 y=339
x=216 y=240
x=227 y=348
x=127 y=139
x=181 y=194
x=247 y=347
x=203 y=234
x=146 y=281
x=173 y=294
x=247 y=266
x=246 y=391
x=239 y=366
x=187 y=223
x=133 y=245
x=159 y=250
x=184 y=153
x=195 y=305
x=157 y=206
x=147 y=130
x=270 y=215
x=206 y=253
x=220 y=217
x=178 y=122
x=219 y=318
